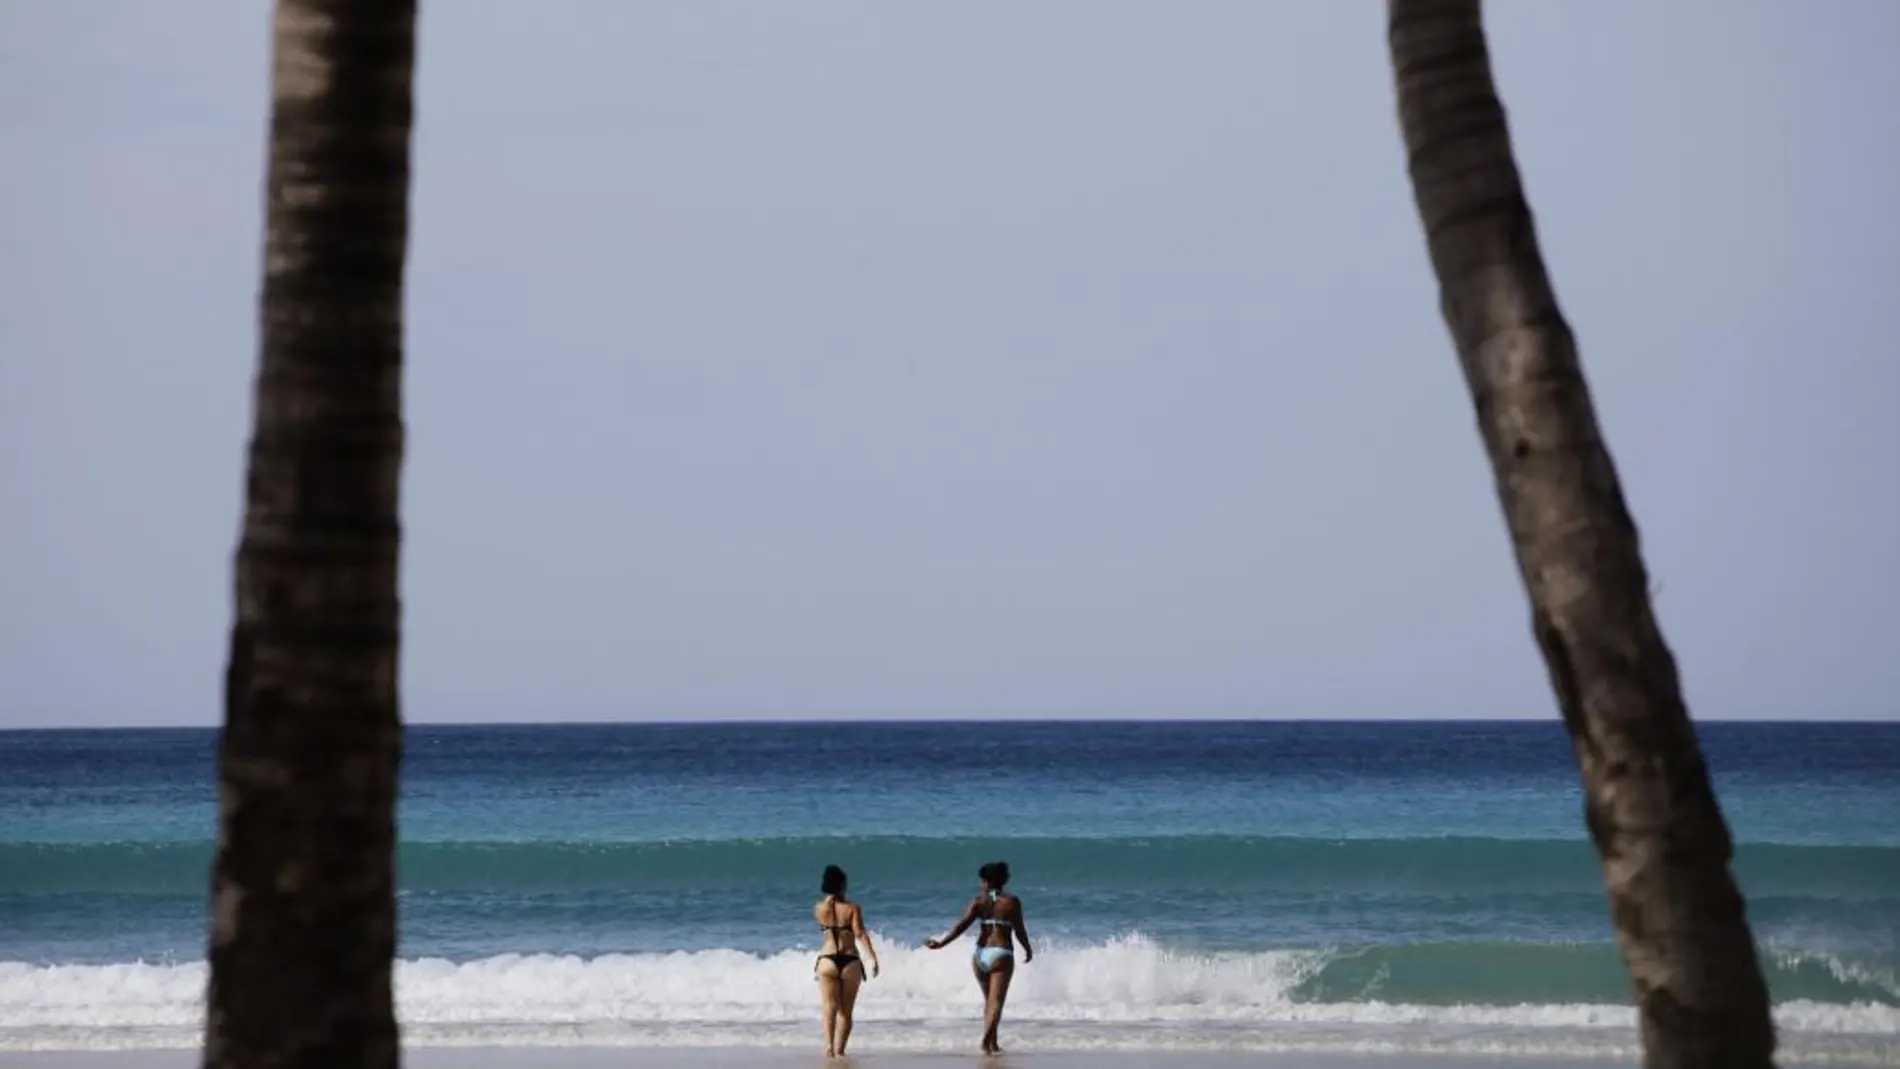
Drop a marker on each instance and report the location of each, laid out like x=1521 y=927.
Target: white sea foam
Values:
x=1123 y=994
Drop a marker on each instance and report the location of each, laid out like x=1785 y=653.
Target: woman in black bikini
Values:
x=838 y=970
x=998 y=917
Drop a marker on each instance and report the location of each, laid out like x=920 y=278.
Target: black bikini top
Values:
x=834 y=916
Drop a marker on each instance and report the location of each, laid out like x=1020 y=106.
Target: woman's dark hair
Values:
x=996 y=874
x=833 y=883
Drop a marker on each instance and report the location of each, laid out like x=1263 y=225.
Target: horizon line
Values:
x=893 y=721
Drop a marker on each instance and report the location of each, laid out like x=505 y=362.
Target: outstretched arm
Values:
x=864 y=937
x=963 y=922
x=1022 y=933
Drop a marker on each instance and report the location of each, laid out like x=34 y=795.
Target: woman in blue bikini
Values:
x=999 y=920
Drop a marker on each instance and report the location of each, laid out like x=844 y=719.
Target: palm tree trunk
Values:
x=1648 y=802
x=303 y=928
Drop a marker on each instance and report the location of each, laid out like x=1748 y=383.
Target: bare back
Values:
x=998 y=917
x=840 y=921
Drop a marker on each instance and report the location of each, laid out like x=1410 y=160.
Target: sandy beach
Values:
x=747 y=1058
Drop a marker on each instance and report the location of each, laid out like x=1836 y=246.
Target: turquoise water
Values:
x=1345 y=886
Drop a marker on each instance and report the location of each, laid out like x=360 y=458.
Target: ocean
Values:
x=1362 y=888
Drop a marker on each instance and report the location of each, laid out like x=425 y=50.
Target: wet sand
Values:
x=870 y=1058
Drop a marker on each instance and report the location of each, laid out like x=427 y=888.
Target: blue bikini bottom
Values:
x=987 y=957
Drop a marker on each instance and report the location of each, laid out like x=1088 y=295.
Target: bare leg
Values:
x=983 y=987
x=997 y=993
x=828 y=993
x=848 y=983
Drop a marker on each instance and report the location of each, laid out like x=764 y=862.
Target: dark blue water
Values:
x=1243 y=868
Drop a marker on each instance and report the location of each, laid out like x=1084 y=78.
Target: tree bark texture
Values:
x=1649 y=806
x=303 y=929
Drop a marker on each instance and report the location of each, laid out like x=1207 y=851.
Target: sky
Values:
x=855 y=359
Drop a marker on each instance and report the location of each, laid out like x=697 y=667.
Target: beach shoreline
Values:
x=871 y=1057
